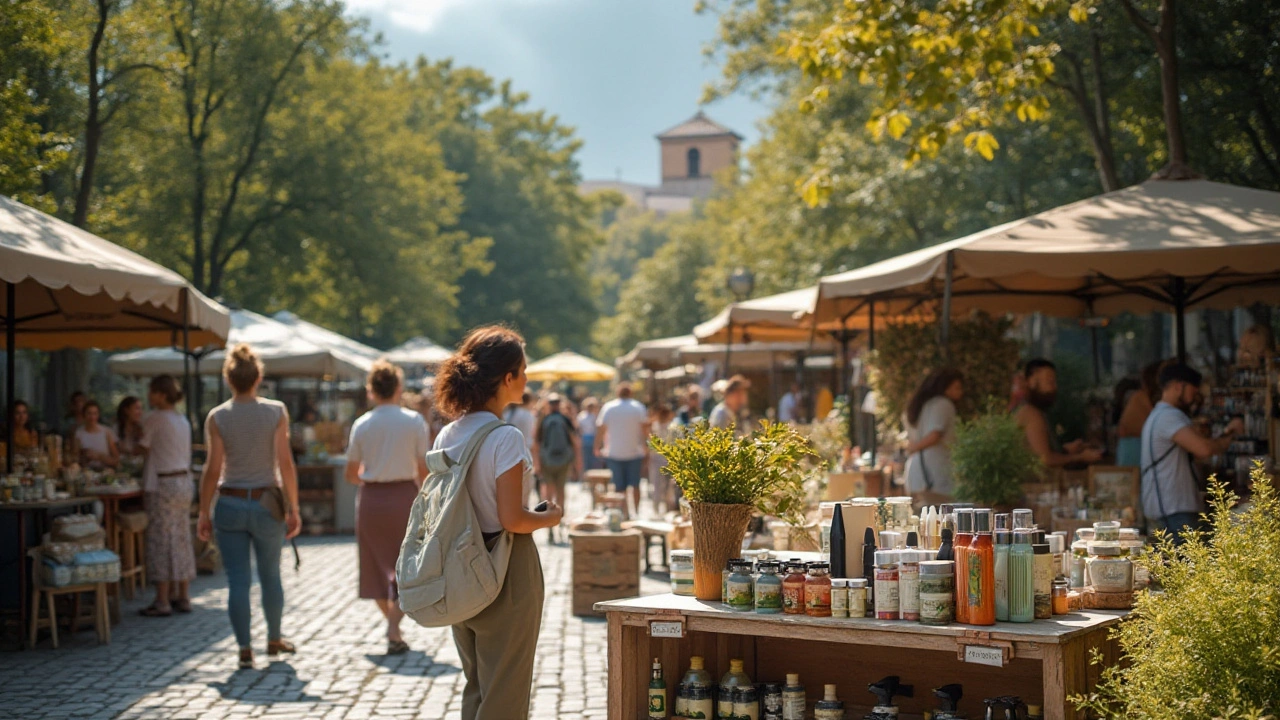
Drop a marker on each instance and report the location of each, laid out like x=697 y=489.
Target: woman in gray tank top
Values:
x=251 y=469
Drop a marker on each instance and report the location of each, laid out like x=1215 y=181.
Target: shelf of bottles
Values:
x=1249 y=394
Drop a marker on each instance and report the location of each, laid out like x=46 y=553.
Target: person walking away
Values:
x=129 y=427
x=587 y=430
x=621 y=431
x=930 y=420
x=497 y=646
x=789 y=405
x=1170 y=497
x=661 y=484
x=730 y=412
x=96 y=442
x=1136 y=411
x=166 y=480
x=524 y=419
x=250 y=470
x=387 y=460
x=1041 y=379
x=557 y=452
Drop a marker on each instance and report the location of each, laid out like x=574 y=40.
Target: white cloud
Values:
x=420 y=15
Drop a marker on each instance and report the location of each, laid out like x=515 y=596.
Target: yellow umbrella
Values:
x=569 y=366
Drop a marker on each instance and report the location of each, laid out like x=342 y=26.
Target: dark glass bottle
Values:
x=838 y=565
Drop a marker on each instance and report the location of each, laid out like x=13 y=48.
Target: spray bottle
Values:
x=885 y=691
x=948 y=702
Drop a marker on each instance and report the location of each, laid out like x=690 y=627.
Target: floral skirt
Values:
x=170 y=556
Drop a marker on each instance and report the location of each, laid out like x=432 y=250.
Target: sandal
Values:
x=275 y=647
x=182 y=606
x=246 y=658
x=397 y=647
x=154 y=611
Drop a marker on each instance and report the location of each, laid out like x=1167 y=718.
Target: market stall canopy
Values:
x=283 y=352
x=1163 y=245
x=326 y=338
x=419 y=351
x=753 y=356
x=569 y=366
x=766 y=319
x=73 y=289
x=655 y=354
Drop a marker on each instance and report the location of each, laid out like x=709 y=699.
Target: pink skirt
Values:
x=382 y=514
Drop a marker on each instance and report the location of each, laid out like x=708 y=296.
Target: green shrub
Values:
x=1207 y=647
x=990 y=458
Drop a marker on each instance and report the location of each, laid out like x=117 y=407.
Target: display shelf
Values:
x=1250 y=393
x=1044 y=662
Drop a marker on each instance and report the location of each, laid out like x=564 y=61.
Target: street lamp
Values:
x=741 y=283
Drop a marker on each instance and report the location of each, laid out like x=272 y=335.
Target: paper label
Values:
x=984 y=655
x=666 y=628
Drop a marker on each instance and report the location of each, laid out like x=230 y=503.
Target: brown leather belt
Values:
x=174 y=473
x=246 y=493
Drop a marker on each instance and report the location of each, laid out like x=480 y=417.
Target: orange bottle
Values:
x=964 y=536
x=980 y=571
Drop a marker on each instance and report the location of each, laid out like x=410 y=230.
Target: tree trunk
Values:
x=197 y=224
x=1164 y=37
x=92 y=123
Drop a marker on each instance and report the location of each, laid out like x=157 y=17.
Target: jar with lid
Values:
x=1079 y=569
x=682 y=572
x=839 y=598
x=817 y=590
x=857 y=597
x=793 y=589
x=1109 y=570
x=937 y=592
x=741 y=597
x=768 y=589
x=1061 y=605
x=909 y=584
x=1106 y=531
x=724 y=580
x=886 y=591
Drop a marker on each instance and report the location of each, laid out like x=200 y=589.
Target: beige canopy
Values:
x=1161 y=245
x=283 y=353
x=655 y=354
x=72 y=289
x=420 y=350
x=569 y=366
x=765 y=319
x=757 y=355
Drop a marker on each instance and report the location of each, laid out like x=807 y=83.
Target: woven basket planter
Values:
x=717 y=537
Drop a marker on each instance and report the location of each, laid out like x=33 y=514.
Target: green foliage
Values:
x=1208 y=646
x=764 y=469
x=991 y=458
x=906 y=353
x=29 y=148
x=830 y=435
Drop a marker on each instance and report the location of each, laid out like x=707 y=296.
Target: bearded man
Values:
x=1041 y=382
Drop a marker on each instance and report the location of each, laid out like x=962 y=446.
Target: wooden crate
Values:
x=606 y=566
x=1044 y=662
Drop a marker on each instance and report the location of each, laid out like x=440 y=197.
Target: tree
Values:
x=29 y=148
x=634 y=234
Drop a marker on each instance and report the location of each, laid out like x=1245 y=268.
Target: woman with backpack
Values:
x=474 y=387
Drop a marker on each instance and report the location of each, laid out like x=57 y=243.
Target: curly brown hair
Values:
x=469 y=379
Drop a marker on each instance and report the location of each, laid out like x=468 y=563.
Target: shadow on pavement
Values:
x=275 y=682
x=414 y=663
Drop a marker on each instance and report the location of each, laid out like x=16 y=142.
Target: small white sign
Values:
x=992 y=656
x=666 y=628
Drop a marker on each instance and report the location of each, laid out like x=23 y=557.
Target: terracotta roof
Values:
x=698 y=126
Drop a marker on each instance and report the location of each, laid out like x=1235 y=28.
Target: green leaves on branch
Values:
x=991 y=458
x=765 y=469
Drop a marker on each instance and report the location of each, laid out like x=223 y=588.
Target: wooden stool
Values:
x=131 y=528
x=600 y=482
x=38 y=588
x=614 y=500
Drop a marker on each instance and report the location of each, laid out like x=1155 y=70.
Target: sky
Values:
x=619 y=71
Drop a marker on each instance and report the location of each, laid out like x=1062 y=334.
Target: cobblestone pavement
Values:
x=184 y=667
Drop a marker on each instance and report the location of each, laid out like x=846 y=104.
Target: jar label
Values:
x=793 y=705
x=793 y=598
x=768 y=597
x=909 y=593
x=817 y=598
x=937 y=608
x=741 y=594
x=887 y=594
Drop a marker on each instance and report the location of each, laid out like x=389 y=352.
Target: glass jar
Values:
x=741 y=597
x=886 y=591
x=724 y=580
x=839 y=598
x=937 y=592
x=1109 y=570
x=682 y=572
x=1106 y=531
x=1061 y=604
x=793 y=589
x=768 y=589
x=817 y=591
x=857 y=597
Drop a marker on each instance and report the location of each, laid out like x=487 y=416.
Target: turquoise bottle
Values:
x=1022 y=577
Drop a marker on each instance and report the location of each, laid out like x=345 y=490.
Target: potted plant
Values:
x=991 y=459
x=726 y=479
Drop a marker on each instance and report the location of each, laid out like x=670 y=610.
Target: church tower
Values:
x=693 y=152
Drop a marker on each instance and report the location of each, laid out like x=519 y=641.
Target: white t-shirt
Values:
x=787 y=408
x=97 y=441
x=1169 y=487
x=501 y=451
x=587 y=424
x=167 y=436
x=389 y=440
x=939 y=414
x=525 y=421
x=624 y=423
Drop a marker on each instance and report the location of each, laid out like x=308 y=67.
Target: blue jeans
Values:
x=588 y=452
x=626 y=473
x=242 y=524
x=1177 y=523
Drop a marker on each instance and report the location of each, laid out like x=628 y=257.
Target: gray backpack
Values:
x=445 y=574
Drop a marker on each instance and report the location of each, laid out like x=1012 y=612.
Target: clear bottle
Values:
x=724 y=580
x=1022 y=577
x=697 y=674
x=794 y=701
x=839 y=598
x=964 y=536
x=1044 y=576
x=1003 y=538
x=732 y=680
x=768 y=589
x=980 y=568
x=741 y=590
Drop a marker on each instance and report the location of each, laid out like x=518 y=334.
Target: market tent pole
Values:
x=945 y=330
x=1180 y=315
x=186 y=360
x=10 y=367
x=728 y=350
x=871 y=346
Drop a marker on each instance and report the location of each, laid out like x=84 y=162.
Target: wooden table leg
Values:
x=615 y=668
x=110 y=506
x=1065 y=675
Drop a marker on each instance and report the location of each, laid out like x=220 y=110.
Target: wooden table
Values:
x=110 y=508
x=40 y=509
x=606 y=566
x=1044 y=662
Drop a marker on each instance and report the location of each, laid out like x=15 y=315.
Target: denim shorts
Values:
x=626 y=473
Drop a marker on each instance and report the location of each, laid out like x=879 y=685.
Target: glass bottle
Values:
x=657 y=693
x=909 y=584
x=858 y=598
x=724 y=580
x=1022 y=580
x=964 y=536
x=981 y=569
x=768 y=589
x=793 y=590
x=746 y=703
x=794 y=701
x=1043 y=568
x=1003 y=538
x=1061 y=604
x=886 y=594
x=839 y=598
x=741 y=595
x=829 y=707
x=869 y=568
x=817 y=591
x=838 y=543
x=732 y=680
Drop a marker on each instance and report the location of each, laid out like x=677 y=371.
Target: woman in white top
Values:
x=166 y=438
x=587 y=428
x=96 y=441
x=497 y=646
x=931 y=428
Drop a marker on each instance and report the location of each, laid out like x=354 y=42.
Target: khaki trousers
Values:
x=497 y=646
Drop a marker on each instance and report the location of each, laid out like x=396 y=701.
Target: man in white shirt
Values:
x=621 y=432
x=523 y=418
x=729 y=413
x=789 y=405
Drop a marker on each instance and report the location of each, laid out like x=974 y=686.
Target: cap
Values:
x=1040 y=546
x=793 y=678
x=857 y=582
x=886 y=557
x=695 y=662
x=964 y=520
x=554 y=398
x=839 y=583
x=1023 y=518
x=937 y=567
x=982 y=520
x=1004 y=521
x=1057 y=544
x=1003 y=537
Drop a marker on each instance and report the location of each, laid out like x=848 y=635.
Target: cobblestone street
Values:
x=184 y=667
